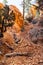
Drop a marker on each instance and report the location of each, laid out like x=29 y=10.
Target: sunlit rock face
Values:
x=1 y=5
x=19 y=18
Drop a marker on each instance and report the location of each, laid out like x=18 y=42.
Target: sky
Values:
x=17 y=3
x=33 y=1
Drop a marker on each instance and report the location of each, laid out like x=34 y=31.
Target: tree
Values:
x=6 y=18
x=5 y=1
x=1 y=23
x=26 y=4
x=40 y=2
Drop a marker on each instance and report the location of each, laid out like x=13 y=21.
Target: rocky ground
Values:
x=22 y=47
x=18 y=49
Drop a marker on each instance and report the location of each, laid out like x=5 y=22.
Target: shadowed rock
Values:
x=1 y=35
x=36 y=35
x=40 y=36
x=41 y=22
x=33 y=34
x=29 y=19
x=34 y=21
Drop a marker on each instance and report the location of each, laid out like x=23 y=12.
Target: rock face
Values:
x=36 y=33
x=1 y=5
x=19 y=18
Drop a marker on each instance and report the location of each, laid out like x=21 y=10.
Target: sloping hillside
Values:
x=17 y=48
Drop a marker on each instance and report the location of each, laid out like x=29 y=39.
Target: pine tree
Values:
x=6 y=19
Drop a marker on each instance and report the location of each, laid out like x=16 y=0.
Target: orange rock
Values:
x=19 y=18
x=1 y=5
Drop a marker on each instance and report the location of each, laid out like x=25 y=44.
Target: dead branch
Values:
x=18 y=54
x=9 y=46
